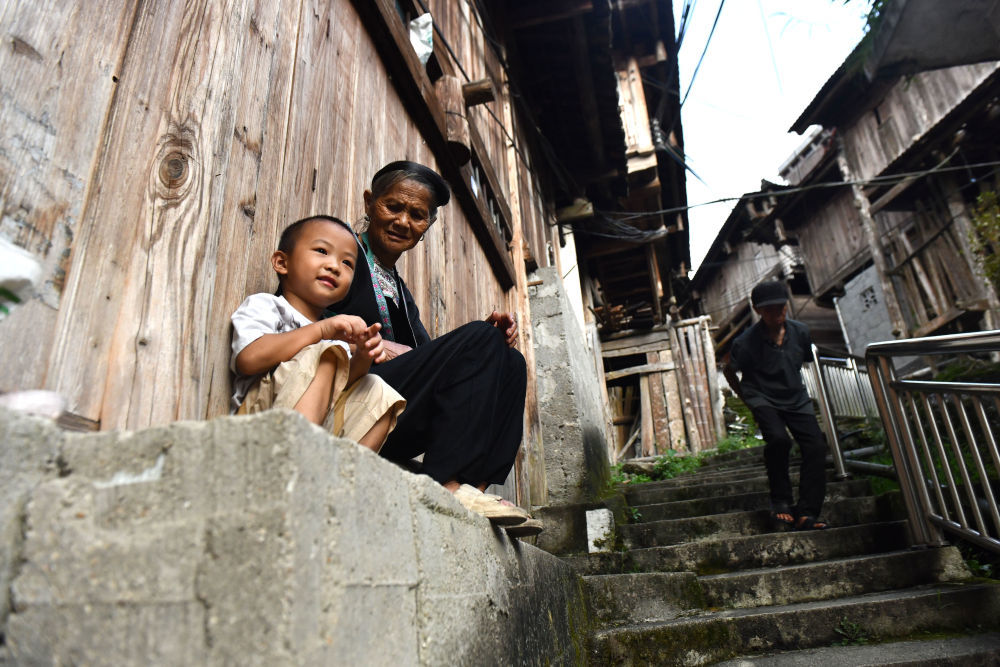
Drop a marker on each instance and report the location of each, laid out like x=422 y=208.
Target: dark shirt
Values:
x=360 y=301
x=772 y=374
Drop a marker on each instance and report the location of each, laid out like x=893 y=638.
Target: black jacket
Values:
x=360 y=301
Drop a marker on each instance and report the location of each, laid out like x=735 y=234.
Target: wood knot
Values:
x=174 y=170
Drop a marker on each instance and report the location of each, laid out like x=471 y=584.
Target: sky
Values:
x=764 y=64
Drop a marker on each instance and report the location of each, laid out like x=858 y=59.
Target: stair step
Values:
x=775 y=549
x=645 y=596
x=842 y=512
x=679 y=509
x=666 y=491
x=726 y=634
x=833 y=578
x=700 y=477
x=974 y=651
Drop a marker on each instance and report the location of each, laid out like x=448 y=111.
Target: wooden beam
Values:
x=585 y=88
x=479 y=149
x=480 y=91
x=625 y=342
x=645 y=369
x=655 y=283
x=893 y=192
x=537 y=12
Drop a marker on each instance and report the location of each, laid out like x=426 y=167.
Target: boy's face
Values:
x=317 y=273
x=773 y=315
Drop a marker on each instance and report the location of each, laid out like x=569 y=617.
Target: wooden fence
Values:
x=675 y=403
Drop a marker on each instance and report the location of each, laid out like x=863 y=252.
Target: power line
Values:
x=703 y=51
x=878 y=180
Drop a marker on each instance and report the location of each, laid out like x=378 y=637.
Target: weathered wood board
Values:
x=152 y=166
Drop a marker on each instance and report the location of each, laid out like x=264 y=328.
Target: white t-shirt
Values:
x=258 y=315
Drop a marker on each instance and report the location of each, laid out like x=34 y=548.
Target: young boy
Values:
x=770 y=355
x=285 y=355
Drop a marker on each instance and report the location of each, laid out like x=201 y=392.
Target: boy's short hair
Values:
x=286 y=243
x=291 y=233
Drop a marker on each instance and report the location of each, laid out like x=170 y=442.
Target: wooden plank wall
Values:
x=832 y=241
x=153 y=164
x=909 y=109
x=738 y=272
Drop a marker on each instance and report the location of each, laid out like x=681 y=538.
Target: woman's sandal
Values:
x=810 y=523
x=777 y=509
x=492 y=507
x=529 y=528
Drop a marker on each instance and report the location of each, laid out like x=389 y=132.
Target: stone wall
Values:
x=258 y=540
x=569 y=399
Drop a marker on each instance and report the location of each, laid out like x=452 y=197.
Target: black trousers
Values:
x=778 y=444
x=464 y=409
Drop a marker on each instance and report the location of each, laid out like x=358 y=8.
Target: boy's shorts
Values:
x=354 y=409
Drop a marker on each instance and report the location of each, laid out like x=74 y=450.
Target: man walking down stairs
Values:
x=704 y=576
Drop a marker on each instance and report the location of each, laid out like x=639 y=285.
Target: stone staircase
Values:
x=701 y=576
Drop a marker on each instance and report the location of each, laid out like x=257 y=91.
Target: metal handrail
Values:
x=840 y=389
x=943 y=438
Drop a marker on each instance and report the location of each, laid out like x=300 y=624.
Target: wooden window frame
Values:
x=416 y=90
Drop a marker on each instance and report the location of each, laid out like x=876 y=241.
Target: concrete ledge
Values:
x=258 y=540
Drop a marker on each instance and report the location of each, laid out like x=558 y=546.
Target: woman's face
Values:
x=397 y=218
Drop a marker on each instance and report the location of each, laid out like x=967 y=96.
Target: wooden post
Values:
x=449 y=94
x=675 y=414
x=872 y=240
x=963 y=232
x=657 y=401
x=714 y=393
x=646 y=410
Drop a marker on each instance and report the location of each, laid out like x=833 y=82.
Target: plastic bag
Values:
x=20 y=272
x=422 y=37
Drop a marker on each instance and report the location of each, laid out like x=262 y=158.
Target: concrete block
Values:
x=263 y=540
x=29 y=453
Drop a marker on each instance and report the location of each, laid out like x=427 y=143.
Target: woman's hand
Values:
x=507 y=323
x=391 y=350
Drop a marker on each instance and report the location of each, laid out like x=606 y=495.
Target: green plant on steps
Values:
x=671 y=464
x=853 y=633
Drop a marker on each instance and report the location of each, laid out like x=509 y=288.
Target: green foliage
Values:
x=969 y=369
x=635 y=514
x=671 y=465
x=854 y=634
x=985 y=234
x=981 y=563
x=733 y=442
x=619 y=476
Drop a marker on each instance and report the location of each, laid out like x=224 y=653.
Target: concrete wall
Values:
x=862 y=312
x=569 y=398
x=258 y=540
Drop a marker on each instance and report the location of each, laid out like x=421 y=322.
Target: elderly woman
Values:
x=464 y=390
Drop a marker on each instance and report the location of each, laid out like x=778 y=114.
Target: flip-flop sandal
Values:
x=782 y=508
x=811 y=523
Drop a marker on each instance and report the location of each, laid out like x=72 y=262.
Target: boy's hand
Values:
x=371 y=345
x=342 y=327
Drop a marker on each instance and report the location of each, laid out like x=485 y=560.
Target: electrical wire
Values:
x=878 y=180
x=703 y=52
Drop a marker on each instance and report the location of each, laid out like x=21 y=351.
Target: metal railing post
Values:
x=828 y=424
x=950 y=444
